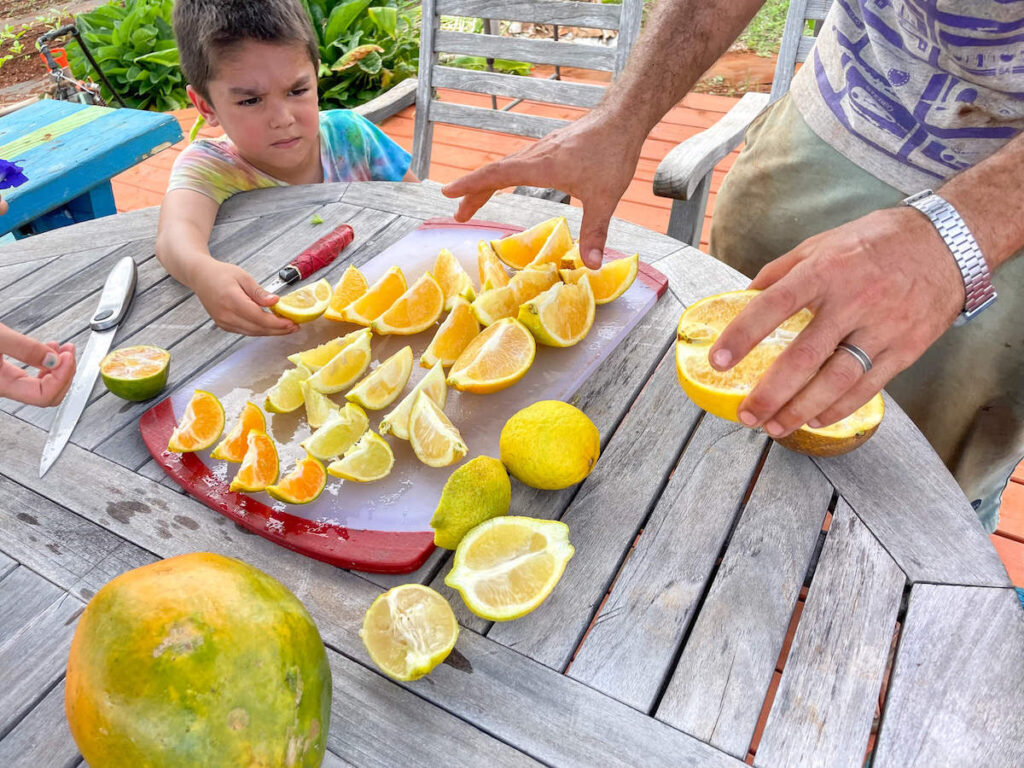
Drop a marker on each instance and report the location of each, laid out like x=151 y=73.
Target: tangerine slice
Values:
x=233 y=447
x=259 y=466
x=303 y=484
x=200 y=426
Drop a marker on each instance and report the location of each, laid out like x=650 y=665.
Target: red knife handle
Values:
x=323 y=251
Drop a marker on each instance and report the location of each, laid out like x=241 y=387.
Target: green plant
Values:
x=764 y=33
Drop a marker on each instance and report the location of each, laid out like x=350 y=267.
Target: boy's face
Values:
x=264 y=96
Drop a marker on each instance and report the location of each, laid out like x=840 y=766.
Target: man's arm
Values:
x=593 y=159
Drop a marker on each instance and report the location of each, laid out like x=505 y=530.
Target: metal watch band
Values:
x=979 y=294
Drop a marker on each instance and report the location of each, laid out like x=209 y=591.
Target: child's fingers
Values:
x=257 y=292
x=27 y=349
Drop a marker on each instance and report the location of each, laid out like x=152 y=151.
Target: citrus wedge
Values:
x=305 y=304
x=136 y=373
x=339 y=433
x=452 y=278
x=492 y=273
x=380 y=388
x=316 y=358
x=453 y=336
x=396 y=422
x=520 y=249
x=408 y=631
x=303 y=484
x=435 y=440
x=497 y=358
x=259 y=466
x=506 y=567
x=350 y=287
x=318 y=406
x=532 y=282
x=368 y=460
x=559 y=243
x=841 y=437
x=610 y=281
x=562 y=315
x=415 y=310
x=345 y=367
x=571 y=258
x=377 y=299
x=494 y=305
x=200 y=426
x=286 y=395
x=234 y=446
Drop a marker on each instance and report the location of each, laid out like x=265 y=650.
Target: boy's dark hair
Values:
x=206 y=29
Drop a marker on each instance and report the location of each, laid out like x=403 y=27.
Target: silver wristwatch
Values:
x=979 y=294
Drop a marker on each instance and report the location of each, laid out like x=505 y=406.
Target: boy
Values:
x=252 y=69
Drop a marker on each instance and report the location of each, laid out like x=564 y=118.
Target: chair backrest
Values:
x=432 y=75
x=796 y=43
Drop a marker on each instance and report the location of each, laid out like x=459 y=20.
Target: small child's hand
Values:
x=56 y=364
x=235 y=301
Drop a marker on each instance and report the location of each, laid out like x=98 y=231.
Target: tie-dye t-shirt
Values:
x=914 y=91
x=351 y=149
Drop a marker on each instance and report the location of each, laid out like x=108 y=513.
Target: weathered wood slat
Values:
x=518 y=49
x=494 y=120
x=826 y=700
x=595 y=16
x=631 y=646
x=13 y=272
x=423 y=129
x=517 y=87
x=804 y=49
x=817 y=9
x=331 y=760
x=792 y=33
x=23 y=596
x=957 y=688
x=97 y=233
x=260 y=202
x=717 y=689
x=389 y=103
x=7 y=564
x=42 y=738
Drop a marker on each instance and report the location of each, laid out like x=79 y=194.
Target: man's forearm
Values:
x=681 y=40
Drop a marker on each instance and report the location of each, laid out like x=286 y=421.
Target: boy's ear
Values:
x=205 y=108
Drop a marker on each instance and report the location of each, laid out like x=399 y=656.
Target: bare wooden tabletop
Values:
x=701 y=534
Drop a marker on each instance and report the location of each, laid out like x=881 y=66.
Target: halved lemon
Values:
x=233 y=447
x=286 y=395
x=489 y=267
x=318 y=406
x=532 y=282
x=303 y=484
x=453 y=336
x=415 y=310
x=559 y=243
x=562 y=315
x=368 y=460
x=452 y=278
x=305 y=304
x=377 y=300
x=200 y=425
x=494 y=305
x=136 y=373
x=571 y=259
x=841 y=437
x=380 y=388
x=435 y=440
x=610 y=281
x=259 y=465
x=350 y=287
x=506 y=567
x=316 y=358
x=396 y=422
x=497 y=358
x=408 y=631
x=520 y=249
x=345 y=367
x=339 y=433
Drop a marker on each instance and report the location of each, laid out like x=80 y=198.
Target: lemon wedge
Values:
x=318 y=406
x=345 y=367
x=489 y=267
x=369 y=459
x=435 y=440
x=339 y=433
x=316 y=358
x=286 y=395
x=396 y=422
x=380 y=388
x=408 y=631
x=305 y=304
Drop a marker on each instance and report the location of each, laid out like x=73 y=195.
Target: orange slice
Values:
x=494 y=360
x=492 y=273
x=452 y=278
x=233 y=447
x=200 y=426
x=610 y=281
x=520 y=249
x=303 y=484
x=259 y=467
x=377 y=299
x=555 y=247
x=562 y=315
x=415 y=310
x=350 y=287
x=454 y=335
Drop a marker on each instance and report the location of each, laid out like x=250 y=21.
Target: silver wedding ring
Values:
x=857 y=352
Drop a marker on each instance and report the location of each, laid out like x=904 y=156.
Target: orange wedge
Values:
x=497 y=358
x=232 y=447
x=415 y=310
x=520 y=249
x=559 y=243
x=452 y=337
x=303 y=484
x=377 y=300
x=259 y=467
x=492 y=273
x=533 y=282
x=493 y=305
x=350 y=287
x=201 y=425
x=571 y=258
x=610 y=281
x=452 y=278
x=562 y=315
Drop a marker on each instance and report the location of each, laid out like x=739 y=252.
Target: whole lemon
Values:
x=476 y=491
x=550 y=445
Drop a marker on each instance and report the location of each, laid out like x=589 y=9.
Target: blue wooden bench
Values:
x=69 y=152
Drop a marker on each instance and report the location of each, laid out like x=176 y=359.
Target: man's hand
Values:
x=592 y=159
x=885 y=282
x=55 y=362
x=235 y=301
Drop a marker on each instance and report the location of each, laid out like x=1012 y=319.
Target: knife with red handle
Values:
x=316 y=257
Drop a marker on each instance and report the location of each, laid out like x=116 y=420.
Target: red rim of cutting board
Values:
x=364 y=550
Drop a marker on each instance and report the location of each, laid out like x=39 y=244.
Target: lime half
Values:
x=136 y=373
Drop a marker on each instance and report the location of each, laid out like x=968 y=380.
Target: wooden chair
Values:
x=685 y=173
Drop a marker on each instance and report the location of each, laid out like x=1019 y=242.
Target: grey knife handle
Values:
x=117 y=295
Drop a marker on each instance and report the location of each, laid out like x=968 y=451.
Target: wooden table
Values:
x=703 y=531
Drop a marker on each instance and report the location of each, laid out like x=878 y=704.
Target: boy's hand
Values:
x=235 y=301
x=56 y=364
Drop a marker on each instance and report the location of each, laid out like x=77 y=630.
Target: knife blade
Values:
x=113 y=306
x=317 y=256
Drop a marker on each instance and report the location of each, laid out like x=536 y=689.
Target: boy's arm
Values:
x=229 y=294
x=410 y=176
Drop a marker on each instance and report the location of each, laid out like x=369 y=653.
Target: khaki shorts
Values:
x=966 y=393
